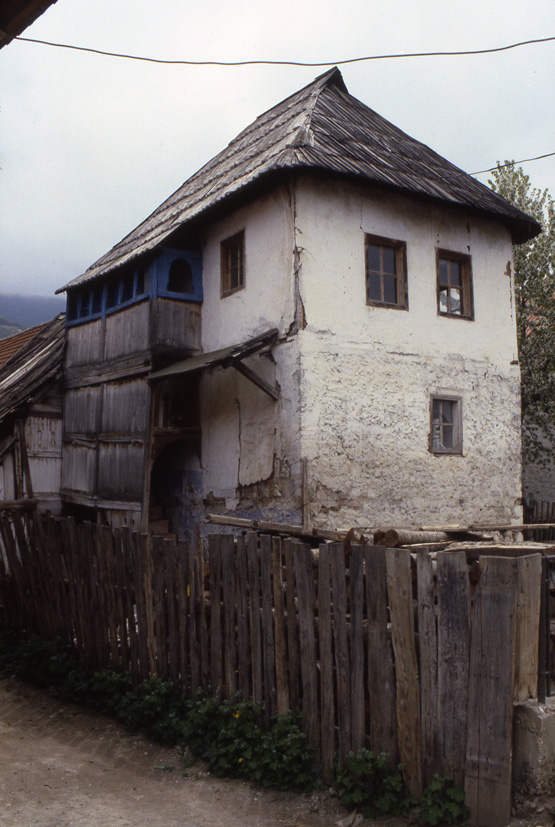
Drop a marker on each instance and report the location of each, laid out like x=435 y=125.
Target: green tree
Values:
x=534 y=277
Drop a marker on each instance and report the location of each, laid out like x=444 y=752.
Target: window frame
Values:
x=226 y=246
x=400 y=249
x=457 y=447
x=467 y=292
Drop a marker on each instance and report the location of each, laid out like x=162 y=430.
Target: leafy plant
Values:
x=367 y=782
x=442 y=802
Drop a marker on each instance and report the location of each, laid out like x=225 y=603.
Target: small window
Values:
x=84 y=310
x=446 y=425
x=127 y=287
x=386 y=272
x=140 y=285
x=72 y=306
x=233 y=263
x=454 y=285
x=112 y=296
x=97 y=299
x=180 y=279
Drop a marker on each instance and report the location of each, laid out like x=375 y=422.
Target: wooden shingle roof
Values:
x=321 y=127
x=36 y=364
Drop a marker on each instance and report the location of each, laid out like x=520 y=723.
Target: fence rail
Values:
x=376 y=647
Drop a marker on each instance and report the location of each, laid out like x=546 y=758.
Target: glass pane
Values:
x=455 y=273
x=443 y=303
x=447 y=436
x=436 y=410
x=456 y=300
x=373 y=258
x=443 y=271
x=374 y=287
x=388 y=258
x=390 y=289
x=447 y=412
x=436 y=436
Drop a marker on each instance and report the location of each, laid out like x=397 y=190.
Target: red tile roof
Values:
x=11 y=344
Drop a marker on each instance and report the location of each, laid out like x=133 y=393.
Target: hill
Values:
x=18 y=311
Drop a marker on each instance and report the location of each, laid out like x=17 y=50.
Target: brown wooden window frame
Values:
x=465 y=286
x=400 y=253
x=235 y=244
x=452 y=425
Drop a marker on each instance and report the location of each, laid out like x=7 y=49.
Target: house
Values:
x=318 y=326
x=31 y=417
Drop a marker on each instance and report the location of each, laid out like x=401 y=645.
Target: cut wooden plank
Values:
x=529 y=571
x=381 y=673
x=107 y=550
x=194 y=605
x=183 y=614
x=282 y=687
x=202 y=575
x=325 y=639
x=453 y=610
x=427 y=633
x=358 y=704
x=171 y=585
x=216 y=639
x=341 y=648
x=229 y=639
x=243 y=635
x=138 y=562
x=267 y=625
x=399 y=587
x=292 y=628
x=254 y=617
x=489 y=739
x=304 y=576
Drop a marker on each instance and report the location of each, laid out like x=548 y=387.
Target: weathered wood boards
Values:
x=374 y=647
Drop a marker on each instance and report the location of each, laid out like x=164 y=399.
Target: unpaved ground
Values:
x=65 y=766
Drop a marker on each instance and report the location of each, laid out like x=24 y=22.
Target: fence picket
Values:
x=325 y=637
x=427 y=631
x=304 y=576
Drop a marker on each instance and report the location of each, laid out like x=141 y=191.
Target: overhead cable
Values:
x=511 y=163
x=285 y=62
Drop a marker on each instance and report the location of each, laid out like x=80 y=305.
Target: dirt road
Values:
x=63 y=766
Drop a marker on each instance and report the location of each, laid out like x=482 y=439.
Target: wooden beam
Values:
x=257 y=380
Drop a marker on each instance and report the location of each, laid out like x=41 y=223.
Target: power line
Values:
x=510 y=163
x=285 y=62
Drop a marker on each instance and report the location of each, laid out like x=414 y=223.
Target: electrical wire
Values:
x=511 y=163
x=284 y=62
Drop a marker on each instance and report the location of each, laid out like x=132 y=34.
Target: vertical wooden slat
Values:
x=381 y=674
x=489 y=740
x=229 y=640
x=282 y=687
x=140 y=550
x=453 y=640
x=529 y=573
x=182 y=614
x=399 y=587
x=103 y=635
x=342 y=657
x=94 y=650
x=107 y=544
x=267 y=624
x=171 y=587
x=216 y=643
x=119 y=572
x=243 y=640
x=304 y=575
x=358 y=701
x=194 y=605
x=201 y=573
x=292 y=628
x=427 y=633
x=325 y=639
x=254 y=617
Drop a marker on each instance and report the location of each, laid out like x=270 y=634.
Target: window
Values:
x=386 y=272
x=180 y=279
x=232 y=252
x=454 y=285
x=446 y=425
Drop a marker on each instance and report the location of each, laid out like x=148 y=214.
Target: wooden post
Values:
x=282 y=688
x=325 y=635
x=529 y=572
x=492 y=666
x=427 y=632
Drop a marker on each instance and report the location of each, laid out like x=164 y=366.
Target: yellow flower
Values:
x=237 y=715
x=240 y=759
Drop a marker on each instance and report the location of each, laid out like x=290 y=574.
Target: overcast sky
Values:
x=90 y=144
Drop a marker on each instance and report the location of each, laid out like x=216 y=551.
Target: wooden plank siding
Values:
x=372 y=647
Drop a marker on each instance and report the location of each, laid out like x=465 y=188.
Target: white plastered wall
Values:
x=250 y=443
x=367 y=373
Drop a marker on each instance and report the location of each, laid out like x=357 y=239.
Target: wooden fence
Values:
x=417 y=655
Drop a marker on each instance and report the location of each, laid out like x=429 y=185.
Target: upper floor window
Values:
x=454 y=285
x=386 y=272
x=232 y=263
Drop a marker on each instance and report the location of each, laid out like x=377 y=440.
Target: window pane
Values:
x=390 y=289
x=373 y=258
x=447 y=412
x=443 y=271
x=455 y=273
x=374 y=287
x=436 y=410
x=456 y=300
x=448 y=436
x=443 y=302
x=388 y=259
